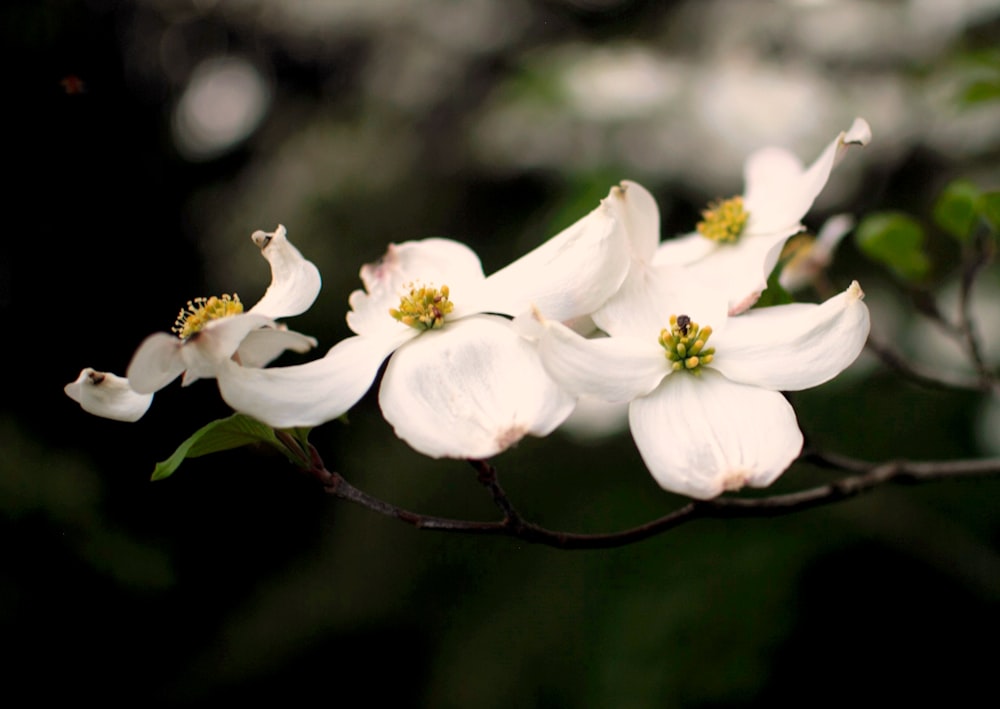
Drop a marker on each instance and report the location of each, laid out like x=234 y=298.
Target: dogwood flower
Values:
x=705 y=410
x=739 y=240
x=213 y=330
x=460 y=381
x=108 y=395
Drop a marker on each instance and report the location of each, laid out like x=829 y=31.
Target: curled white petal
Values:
x=778 y=193
x=470 y=390
x=108 y=395
x=572 y=273
x=306 y=394
x=636 y=209
x=700 y=436
x=609 y=368
x=796 y=346
x=295 y=281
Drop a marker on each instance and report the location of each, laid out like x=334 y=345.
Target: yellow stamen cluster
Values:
x=724 y=220
x=201 y=311
x=685 y=344
x=424 y=308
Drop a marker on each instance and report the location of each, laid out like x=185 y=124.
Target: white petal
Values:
x=778 y=194
x=700 y=436
x=295 y=282
x=684 y=249
x=797 y=346
x=429 y=262
x=470 y=390
x=306 y=394
x=572 y=273
x=609 y=368
x=651 y=294
x=265 y=344
x=108 y=395
x=433 y=261
x=216 y=343
x=767 y=174
x=156 y=363
x=636 y=209
x=740 y=270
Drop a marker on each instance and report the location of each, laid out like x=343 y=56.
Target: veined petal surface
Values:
x=608 y=368
x=700 y=436
x=306 y=394
x=795 y=346
x=156 y=363
x=470 y=390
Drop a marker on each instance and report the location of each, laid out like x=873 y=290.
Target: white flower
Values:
x=461 y=382
x=215 y=330
x=706 y=414
x=739 y=240
x=108 y=395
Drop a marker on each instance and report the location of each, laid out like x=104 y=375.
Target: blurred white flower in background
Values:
x=224 y=102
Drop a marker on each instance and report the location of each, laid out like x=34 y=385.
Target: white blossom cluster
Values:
x=604 y=309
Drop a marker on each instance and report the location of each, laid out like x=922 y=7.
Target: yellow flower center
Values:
x=685 y=342
x=200 y=311
x=724 y=220
x=424 y=308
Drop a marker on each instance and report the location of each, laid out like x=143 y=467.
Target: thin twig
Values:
x=976 y=257
x=866 y=475
x=919 y=375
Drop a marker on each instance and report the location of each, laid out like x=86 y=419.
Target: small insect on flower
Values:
x=683 y=321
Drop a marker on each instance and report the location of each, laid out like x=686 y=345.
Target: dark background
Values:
x=238 y=579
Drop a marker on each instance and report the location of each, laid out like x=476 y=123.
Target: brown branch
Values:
x=865 y=476
x=976 y=258
x=926 y=377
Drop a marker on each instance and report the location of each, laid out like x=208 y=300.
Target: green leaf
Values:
x=988 y=207
x=224 y=434
x=774 y=294
x=955 y=209
x=895 y=240
x=981 y=92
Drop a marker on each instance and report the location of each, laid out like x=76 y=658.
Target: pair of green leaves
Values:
x=896 y=239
